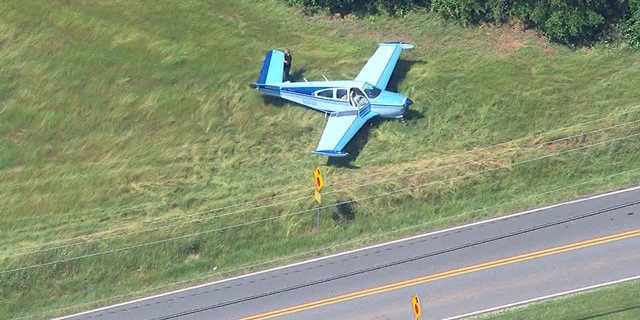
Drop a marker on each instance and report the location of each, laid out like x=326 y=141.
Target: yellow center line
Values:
x=445 y=274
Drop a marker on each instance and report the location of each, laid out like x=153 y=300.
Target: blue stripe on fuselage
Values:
x=308 y=92
x=304 y=90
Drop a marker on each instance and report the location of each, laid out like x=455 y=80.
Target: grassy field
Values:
x=135 y=158
x=620 y=302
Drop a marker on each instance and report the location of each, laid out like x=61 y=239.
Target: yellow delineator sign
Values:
x=318 y=197
x=317 y=176
x=415 y=303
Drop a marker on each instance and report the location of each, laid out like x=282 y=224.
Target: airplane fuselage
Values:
x=331 y=96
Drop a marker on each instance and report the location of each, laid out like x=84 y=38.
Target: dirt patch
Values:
x=20 y=138
x=415 y=180
x=510 y=38
x=572 y=142
x=550 y=52
x=587 y=49
x=509 y=43
x=192 y=257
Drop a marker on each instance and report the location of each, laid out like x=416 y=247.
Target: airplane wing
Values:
x=380 y=66
x=340 y=129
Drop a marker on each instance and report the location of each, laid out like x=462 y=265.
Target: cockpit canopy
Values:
x=371 y=91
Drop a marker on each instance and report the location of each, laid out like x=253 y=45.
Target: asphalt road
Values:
x=454 y=272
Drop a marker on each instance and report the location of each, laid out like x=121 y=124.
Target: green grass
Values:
x=620 y=302
x=120 y=120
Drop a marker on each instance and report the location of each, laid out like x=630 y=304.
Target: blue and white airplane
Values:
x=350 y=103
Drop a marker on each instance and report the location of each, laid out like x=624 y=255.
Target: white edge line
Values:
x=551 y=296
x=357 y=250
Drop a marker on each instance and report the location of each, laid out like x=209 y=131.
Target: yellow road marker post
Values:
x=415 y=304
x=317 y=176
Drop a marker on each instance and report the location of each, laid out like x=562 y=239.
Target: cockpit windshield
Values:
x=371 y=91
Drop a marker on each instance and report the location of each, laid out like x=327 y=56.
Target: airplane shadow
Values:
x=413 y=115
x=355 y=146
x=400 y=73
x=269 y=100
x=296 y=76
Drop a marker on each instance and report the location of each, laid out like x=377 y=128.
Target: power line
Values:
x=342 y=244
x=287 y=201
x=298 y=199
x=322 y=207
x=502 y=143
x=475 y=161
x=384 y=171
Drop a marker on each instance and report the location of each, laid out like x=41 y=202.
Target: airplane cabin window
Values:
x=371 y=91
x=341 y=94
x=357 y=91
x=326 y=93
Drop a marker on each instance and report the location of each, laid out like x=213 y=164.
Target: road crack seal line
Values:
x=445 y=274
x=399 y=262
x=356 y=272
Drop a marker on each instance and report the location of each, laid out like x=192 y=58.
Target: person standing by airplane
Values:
x=287 y=64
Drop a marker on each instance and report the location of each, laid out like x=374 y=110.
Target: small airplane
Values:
x=349 y=103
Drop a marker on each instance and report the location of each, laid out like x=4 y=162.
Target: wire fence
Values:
x=367 y=176
x=16 y=253
x=308 y=253
x=383 y=194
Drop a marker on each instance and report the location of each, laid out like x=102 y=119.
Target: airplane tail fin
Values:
x=272 y=68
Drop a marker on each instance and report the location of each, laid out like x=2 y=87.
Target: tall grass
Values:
x=122 y=125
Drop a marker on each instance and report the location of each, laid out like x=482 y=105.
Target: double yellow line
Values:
x=445 y=274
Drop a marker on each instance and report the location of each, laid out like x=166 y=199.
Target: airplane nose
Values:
x=408 y=102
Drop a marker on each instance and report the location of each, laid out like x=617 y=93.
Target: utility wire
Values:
x=287 y=201
x=388 y=170
x=322 y=207
x=326 y=248
x=291 y=200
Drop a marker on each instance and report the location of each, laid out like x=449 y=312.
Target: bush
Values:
x=472 y=12
x=570 y=21
x=566 y=21
x=631 y=27
x=358 y=6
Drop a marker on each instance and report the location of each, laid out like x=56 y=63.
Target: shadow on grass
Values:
x=411 y=115
x=278 y=102
x=608 y=313
x=355 y=146
x=296 y=76
x=400 y=73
